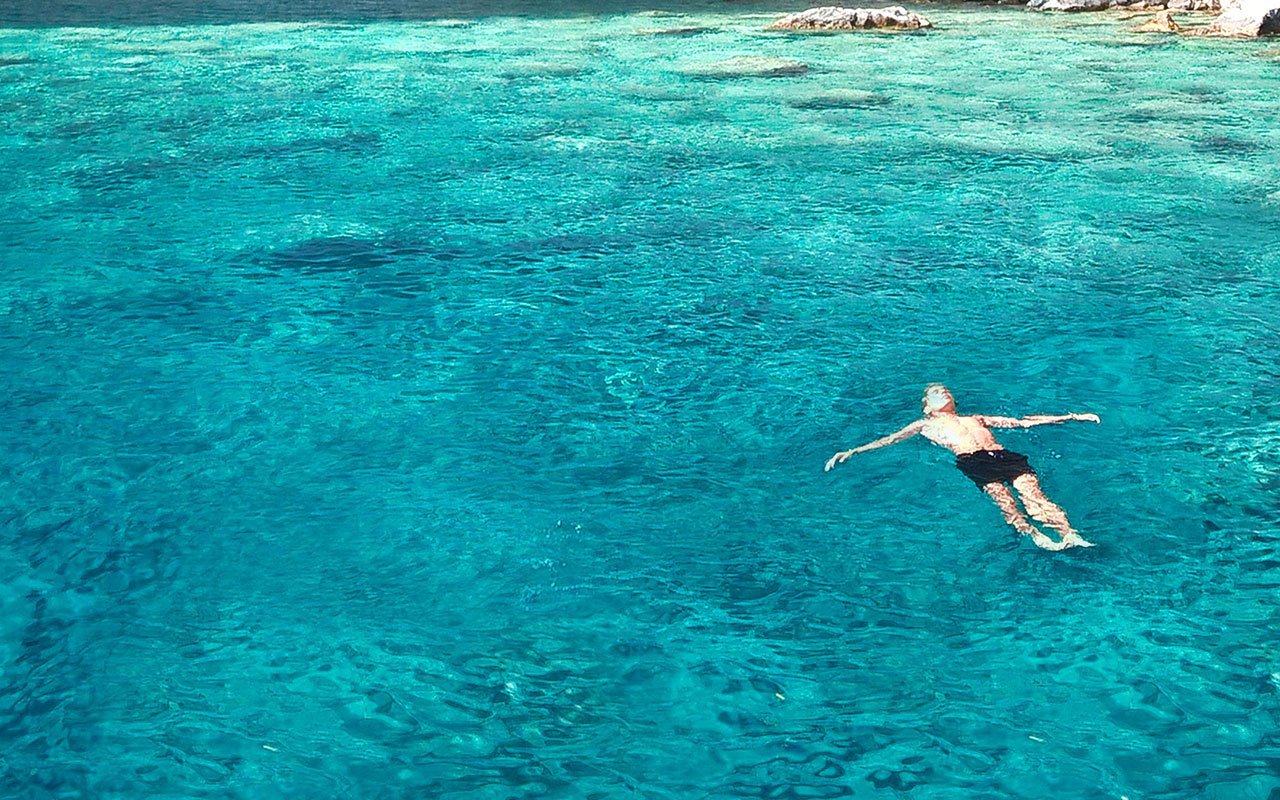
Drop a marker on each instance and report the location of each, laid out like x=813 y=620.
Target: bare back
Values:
x=958 y=434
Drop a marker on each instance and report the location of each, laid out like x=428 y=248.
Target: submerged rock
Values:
x=1245 y=19
x=1160 y=23
x=841 y=98
x=688 y=30
x=1227 y=145
x=748 y=67
x=544 y=69
x=837 y=18
x=1070 y=5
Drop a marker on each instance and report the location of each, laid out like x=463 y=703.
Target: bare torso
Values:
x=958 y=434
x=963 y=435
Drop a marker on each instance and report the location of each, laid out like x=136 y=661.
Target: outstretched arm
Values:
x=883 y=441
x=1034 y=420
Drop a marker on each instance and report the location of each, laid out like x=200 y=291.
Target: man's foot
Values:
x=1075 y=540
x=1044 y=542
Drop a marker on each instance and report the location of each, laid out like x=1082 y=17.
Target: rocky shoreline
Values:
x=1206 y=6
x=1245 y=19
x=1235 y=18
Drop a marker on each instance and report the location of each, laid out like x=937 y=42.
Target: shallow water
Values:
x=430 y=408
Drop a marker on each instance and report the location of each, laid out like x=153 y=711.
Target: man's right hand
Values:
x=838 y=458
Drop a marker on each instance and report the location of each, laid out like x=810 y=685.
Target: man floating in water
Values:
x=985 y=462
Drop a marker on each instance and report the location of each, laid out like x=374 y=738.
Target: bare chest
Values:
x=959 y=434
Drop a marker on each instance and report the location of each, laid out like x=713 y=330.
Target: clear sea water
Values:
x=398 y=407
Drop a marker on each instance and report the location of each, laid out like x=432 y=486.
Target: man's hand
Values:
x=838 y=458
x=883 y=441
x=1086 y=417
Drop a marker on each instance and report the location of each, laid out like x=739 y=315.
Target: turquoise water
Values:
x=415 y=408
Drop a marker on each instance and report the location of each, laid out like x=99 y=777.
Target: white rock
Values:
x=1070 y=5
x=1194 y=5
x=1245 y=18
x=837 y=18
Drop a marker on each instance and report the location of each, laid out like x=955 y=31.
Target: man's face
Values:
x=938 y=398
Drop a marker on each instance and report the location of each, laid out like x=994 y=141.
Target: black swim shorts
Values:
x=993 y=466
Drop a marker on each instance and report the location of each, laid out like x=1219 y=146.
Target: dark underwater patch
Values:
x=1227 y=145
x=676 y=32
x=544 y=69
x=393 y=267
x=330 y=254
x=1149 y=42
x=583 y=245
x=1203 y=94
x=116 y=175
x=352 y=143
x=87 y=127
x=841 y=100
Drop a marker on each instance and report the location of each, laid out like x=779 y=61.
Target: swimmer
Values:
x=985 y=462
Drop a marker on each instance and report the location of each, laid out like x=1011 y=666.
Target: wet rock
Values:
x=747 y=67
x=1160 y=23
x=841 y=98
x=1245 y=19
x=1070 y=5
x=837 y=18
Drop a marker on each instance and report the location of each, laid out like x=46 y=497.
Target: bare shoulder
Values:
x=921 y=425
x=926 y=425
x=909 y=430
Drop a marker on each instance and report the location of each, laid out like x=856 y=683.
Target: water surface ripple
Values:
x=428 y=408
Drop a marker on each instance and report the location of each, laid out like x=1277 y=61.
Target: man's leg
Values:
x=1045 y=510
x=1014 y=516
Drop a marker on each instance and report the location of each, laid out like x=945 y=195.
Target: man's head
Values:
x=938 y=400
